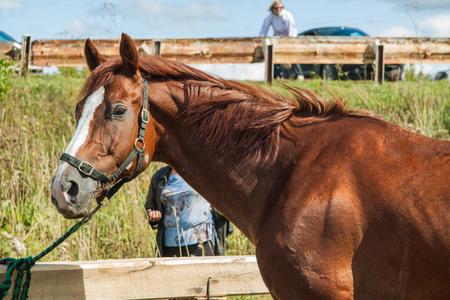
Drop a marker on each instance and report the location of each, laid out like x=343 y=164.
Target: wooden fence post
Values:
x=379 y=62
x=25 y=55
x=157 y=48
x=268 y=60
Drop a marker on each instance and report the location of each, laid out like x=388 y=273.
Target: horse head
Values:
x=110 y=145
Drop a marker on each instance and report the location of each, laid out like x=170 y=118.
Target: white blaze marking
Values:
x=82 y=130
x=78 y=139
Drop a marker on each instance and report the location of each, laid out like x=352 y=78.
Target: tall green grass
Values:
x=37 y=122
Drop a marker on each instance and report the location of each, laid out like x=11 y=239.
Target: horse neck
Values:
x=227 y=183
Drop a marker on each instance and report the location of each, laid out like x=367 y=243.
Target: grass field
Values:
x=37 y=122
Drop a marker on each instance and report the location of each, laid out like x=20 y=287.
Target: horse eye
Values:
x=119 y=111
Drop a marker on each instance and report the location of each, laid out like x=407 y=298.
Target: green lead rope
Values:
x=24 y=265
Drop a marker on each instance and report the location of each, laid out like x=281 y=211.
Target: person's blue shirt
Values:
x=187 y=215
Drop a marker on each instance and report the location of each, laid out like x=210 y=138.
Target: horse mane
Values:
x=232 y=117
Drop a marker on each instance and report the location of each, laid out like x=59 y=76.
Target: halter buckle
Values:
x=145 y=116
x=85 y=164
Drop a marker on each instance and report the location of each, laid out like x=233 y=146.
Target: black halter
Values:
x=87 y=169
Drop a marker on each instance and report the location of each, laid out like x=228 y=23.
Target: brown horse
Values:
x=338 y=203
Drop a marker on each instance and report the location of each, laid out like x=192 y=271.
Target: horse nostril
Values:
x=73 y=190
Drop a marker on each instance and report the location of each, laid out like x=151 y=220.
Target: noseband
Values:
x=87 y=169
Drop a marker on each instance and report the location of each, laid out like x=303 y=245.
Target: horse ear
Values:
x=129 y=55
x=93 y=57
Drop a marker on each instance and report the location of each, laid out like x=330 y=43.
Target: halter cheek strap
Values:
x=87 y=169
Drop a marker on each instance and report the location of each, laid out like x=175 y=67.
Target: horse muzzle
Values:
x=72 y=193
x=71 y=213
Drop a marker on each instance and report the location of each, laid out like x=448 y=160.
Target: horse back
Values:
x=388 y=168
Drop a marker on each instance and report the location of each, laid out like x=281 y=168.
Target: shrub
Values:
x=5 y=73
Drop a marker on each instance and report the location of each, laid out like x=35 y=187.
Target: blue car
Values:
x=6 y=38
x=344 y=72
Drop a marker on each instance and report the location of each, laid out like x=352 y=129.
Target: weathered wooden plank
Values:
x=151 y=278
x=320 y=50
x=416 y=50
x=63 y=53
x=359 y=50
x=218 y=50
x=71 y=52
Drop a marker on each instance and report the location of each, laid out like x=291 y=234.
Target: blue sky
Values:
x=60 y=19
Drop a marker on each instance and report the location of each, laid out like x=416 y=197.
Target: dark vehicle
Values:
x=442 y=75
x=355 y=72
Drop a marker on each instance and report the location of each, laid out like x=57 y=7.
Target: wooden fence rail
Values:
x=149 y=278
x=305 y=50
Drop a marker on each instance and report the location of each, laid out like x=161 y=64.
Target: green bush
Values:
x=5 y=73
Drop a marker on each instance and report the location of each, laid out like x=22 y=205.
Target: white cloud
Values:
x=396 y=32
x=200 y=12
x=75 y=28
x=436 y=26
x=10 y=4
